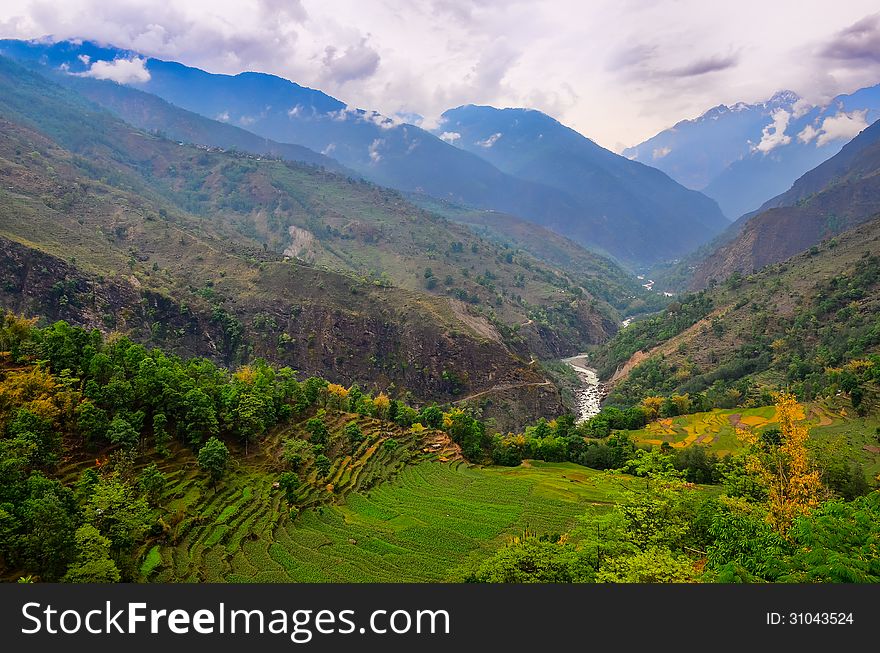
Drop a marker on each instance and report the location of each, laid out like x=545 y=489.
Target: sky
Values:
x=617 y=71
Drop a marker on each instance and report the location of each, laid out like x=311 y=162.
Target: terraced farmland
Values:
x=716 y=429
x=429 y=523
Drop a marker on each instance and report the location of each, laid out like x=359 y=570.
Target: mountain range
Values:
x=235 y=256
x=575 y=188
x=836 y=196
x=745 y=154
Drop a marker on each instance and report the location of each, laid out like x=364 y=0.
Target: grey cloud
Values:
x=712 y=64
x=357 y=62
x=859 y=42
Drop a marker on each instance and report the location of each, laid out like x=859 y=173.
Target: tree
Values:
x=92 y=421
x=200 y=419
x=322 y=465
x=295 y=452
x=152 y=483
x=250 y=418
x=354 y=434
x=213 y=459
x=535 y=560
x=432 y=417
x=318 y=431
x=36 y=432
x=289 y=484
x=93 y=563
x=793 y=486
x=122 y=433
x=160 y=434
x=117 y=513
x=653 y=565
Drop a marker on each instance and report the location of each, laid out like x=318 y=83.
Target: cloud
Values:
x=382 y=122
x=660 y=152
x=356 y=62
x=373 y=150
x=774 y=134
x=490 y=141
x=842 y=125
x=631 y=68
x=807 y=134
x=222 y=116
x=450 y=137
x=86 y=59
x=860 y=42
x=121 y=71
x=327 y=151
x=704 y=66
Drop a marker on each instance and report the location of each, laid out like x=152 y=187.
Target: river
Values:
x=589 y=395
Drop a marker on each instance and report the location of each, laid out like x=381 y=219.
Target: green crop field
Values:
x=829 y=423
x=431 y=522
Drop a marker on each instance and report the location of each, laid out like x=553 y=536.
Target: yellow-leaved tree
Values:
x=793 y=485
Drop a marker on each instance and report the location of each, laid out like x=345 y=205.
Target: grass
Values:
x=431 y=522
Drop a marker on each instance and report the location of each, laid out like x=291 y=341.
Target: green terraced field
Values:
x=430 y=523
x=828 y=422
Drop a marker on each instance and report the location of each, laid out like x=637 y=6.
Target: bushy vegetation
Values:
x=774 y=522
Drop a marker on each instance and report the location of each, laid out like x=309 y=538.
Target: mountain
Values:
x=233 y=257
x=607 y=216
x=745 y=154
x=836 y=196
x=798 y=324
x=151 y=113
x=625 y=203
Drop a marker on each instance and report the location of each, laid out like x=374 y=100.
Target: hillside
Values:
x=834 y=197
x=583 y=206
x=743 y=155
x=632 y=210
x=810 y=324
x=194 y=239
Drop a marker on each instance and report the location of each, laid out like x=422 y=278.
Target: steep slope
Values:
x=836 y=196
x=745 y=154
x=630 y=206
x=601 y=277
x=794 y=325
x=399 y=155
x=111 y=227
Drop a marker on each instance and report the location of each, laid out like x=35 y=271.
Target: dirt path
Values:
x=498 y=388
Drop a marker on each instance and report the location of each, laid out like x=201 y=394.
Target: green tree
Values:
x=318 y=431
x=160 y=434
x=534 y=560
x=213 y=459
x=295 y=452
x=93 y=563
x=118 y=514
x=353 y=434
x=200 y=420
x=250 y=418
x=289 y=484
x=322 y=465
x=432 y=417
x=122 y=433
x=152 y=483
x=92 y=421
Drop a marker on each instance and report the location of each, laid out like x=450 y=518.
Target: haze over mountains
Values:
x=745 y=154
x=611 y=204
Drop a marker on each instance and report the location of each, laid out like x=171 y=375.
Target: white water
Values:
x=589 y=395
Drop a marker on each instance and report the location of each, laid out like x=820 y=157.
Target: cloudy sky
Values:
x=617 y=71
